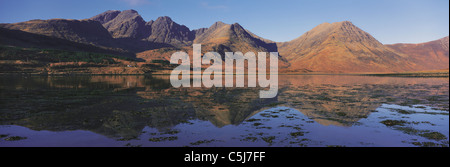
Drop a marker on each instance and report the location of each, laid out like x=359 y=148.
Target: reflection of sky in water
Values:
x=280 y=126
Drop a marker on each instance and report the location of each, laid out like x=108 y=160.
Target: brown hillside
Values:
x=432 y=55
x=341 y=48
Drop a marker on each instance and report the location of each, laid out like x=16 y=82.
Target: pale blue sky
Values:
x=390 y=21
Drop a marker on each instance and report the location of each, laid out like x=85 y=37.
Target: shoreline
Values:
x=405 y=74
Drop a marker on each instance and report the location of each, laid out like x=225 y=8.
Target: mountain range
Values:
x=339 y=47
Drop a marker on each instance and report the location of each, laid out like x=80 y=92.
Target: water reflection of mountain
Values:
x=344 y=100
x=332 y=105
x=121 y=106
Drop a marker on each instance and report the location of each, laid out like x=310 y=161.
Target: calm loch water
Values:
x=309 y=111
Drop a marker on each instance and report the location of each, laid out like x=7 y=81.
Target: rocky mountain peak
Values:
x=343 y=47
x=165 y=30
x=339 y=47
x=217 y=25
x=125 y=24
x=130 y=11
x=106 y=16
x=165 y=19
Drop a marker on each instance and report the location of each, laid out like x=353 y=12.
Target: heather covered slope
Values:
x=432 y=55
x=341 y=48
x=235 y=38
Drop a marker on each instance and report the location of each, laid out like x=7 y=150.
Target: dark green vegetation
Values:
x=429 y=144
x=22 y=39
x=275 y=104
x=269 y=139
x=394 y=122
x=408 y=128
x=160 y=139
x=50 y=61
x=341 y=114
x=172 y=132
x=405 y=112
x=433 y=136
x=253 y=120
x=335 y=146
x=56 y=56
x=257 y=124
x=249 y=138
x=200 y=142
x=162 y=62
x=15 y=138
x=297 y=134
x=130 y=145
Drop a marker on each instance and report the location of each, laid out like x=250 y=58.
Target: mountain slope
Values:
x=233 y=38
x=129 y=24
x=329 y=48
x=82 y=31
x=341 y=47
x=165 y=30
x=23 y=39
x=106 y=16
x=125 y=26
x=432 y=55
x=221 y=38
